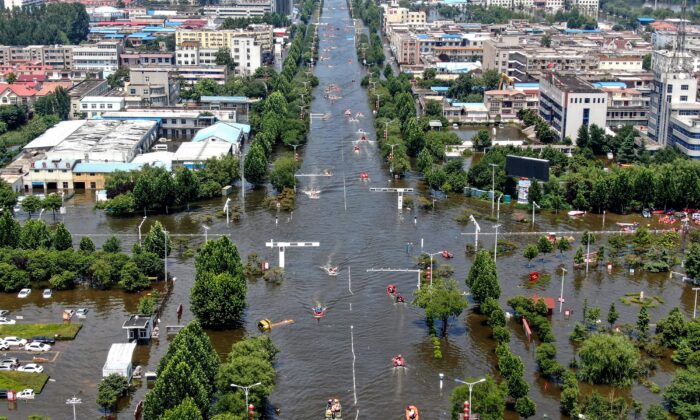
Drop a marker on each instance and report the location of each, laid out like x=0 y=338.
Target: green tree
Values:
x=646 y=62
x=63 y=281
x=9 y=230
x=481 y=140
x=112 y=245
x=186 y=410
x=583 y=138
x=149 y=264
x=187 y=185
x=224 y=58
x=122 y=205
x=569 y=394
x=34 y=234
x=546 y=41
x=86 y=244
x=525 y=407
x=147 y=305
x=643 y=323
x=31 y=204
x=488 y=399
x=534 y=193
x=544 y=245
x=613 y=315
x=682 y=395
x=608 y=359
x=531 y=252
x=62 y=239
x=177 y=381
x=483 y=278
x=8 y=198
x=156 y=240
x=10 y=78
x=110 y=389
x=563 y=245
x=218 y=300
x=255 y=165
x=656 y=411
x=433 y=109
x=441 y=300
x=52 y=202
x=692 y=261
x=672 y=330
x=414 y=137
x=587 y=238
x=132 y=279
x=201 y=354
x=282 y=174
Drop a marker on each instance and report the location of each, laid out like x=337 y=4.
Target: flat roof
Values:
x=137 y=321
x=201 y=151
x=227 y=99
x=106 y=167
x=119 y=356
x=55 y=134
x=164 y=113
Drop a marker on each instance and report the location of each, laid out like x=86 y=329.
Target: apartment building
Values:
x=587 y=7
x=497 y=53
x=152 y=86
x=627 y=62
x=240 y=9
x=135 y=58
x=57 y=56
x=400 y=16
x=101 y=56
x=84 y=89
x=532 y=63
x=245 y=53
x=504 y=104
x=568 y=102
x=626 y=106
x=215 y=39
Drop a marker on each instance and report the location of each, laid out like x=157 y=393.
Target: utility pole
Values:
x=74 y=401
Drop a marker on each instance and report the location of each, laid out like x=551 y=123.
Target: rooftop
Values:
x=137 y=321
x=230 y=132
x=106 y=167
x=570 y=83
x=119 y=356
x=84 y=87
x=201 y=151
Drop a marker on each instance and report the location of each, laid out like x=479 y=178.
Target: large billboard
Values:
x=527 y=167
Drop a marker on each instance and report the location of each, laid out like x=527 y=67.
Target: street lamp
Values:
x=226 y=207
x=495 y=244
x=206 y=231
x=695 y=305
x=588 y=251
x=493 y=185
x=431 y=264
x=40 y=213
x=165 y=254
x=561 y=293
x=246 y=389
x=477 y=229
x=534 y=206
x=74 y=401
x=498 y=208
x=141 y=224
x=470 y=385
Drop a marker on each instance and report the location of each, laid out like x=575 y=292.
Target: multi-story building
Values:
x=498 y=53
x=241 y=9
x=504 y=104
x=133 y=59
x=284 y=7
x=189 y=53
x=153 y=86
x=401 y=16
x=530 y=64
x=673 y=86
x=57 y=56
x=95 y=106
x=215 y=39
x=626 y=106
x=684 y=132
x=102 y=56
x=568 y=102
x=245 y=54
x=9 y=4
x=191 y=74
x=93 y=87
x=627 y=62
x=587 y=7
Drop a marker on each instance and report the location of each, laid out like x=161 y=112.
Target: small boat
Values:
x=364 y=176
x=391 y=290
x=576 y=213
x=313 y=194
x=46 y=294
x=412 y=413
x=319 y=311
x=398 y=361
x=363 y=138
x=399 y=298
x=357 y=148
x=36 y=359
x=446 y=254
x=331 y=271
x=68 y=314
x=333 y=409
x=348 y=113
x=150 y=376
x=628 y=227
x=82 y=312
x=353 y=120
x=359 y=115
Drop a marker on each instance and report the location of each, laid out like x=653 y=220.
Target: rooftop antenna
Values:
x=679 y=62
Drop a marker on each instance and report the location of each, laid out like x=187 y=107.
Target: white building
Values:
x=119 y=360
x=9 y=4
x=587 y=7
x=101 y=56
x=567 y=103
x=93 y=106
x=247 y=55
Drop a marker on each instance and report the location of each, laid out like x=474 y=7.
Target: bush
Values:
x=110 y=390
x=608 y=359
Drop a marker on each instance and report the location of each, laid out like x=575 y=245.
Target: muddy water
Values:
x=357 y=230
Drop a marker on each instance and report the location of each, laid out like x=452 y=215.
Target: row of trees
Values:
x=153 y=188
x=66 y=23
x=277 y=20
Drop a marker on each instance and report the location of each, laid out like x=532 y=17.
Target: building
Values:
x=191 y=74
x=673 y=86
x=119 y=360
x=101 y=56
x=631 y=63
x=240 y=9
x=284 y=7
x=626 y=106
x=27 y=93
x=530 y=64
x=9 y=4
x=82 y=90
x=239 y=106
x=497 y=53
x=222 y=38
x=194 y=155
x=568 y=102
x=135 y=59
x=95 y=106
x=587 y=7
x=57 y=56
x=245 y=54
x=232 y=133
x=173 y=123
x=93 y=175
x=152 y=87
x=139 y=327
x=503 y=105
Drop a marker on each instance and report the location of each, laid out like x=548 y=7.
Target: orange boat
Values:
x=412 y=413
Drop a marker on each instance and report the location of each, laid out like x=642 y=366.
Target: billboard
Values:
x=527 y=167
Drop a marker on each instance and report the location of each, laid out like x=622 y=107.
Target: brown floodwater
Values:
x=357 y=230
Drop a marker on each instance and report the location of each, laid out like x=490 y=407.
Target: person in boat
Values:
x=391 y=289
x=398 y=361
x=318 y=310
x=411 y=412
x=400 y=299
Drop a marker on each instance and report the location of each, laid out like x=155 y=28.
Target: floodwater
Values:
x=348 y=353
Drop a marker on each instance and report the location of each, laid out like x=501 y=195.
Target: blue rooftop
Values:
x=581 y=31
x=142 y=35
x=230 y=132
x=229 y=99
x=105 y=167
x=451 y=36
x=526 y=85
x=115 y=36
x=609 y=84
x=169 y=23
x=158 y=29
x=422 y=36
x=645 y=20
x=439 y=88
x=104 y=30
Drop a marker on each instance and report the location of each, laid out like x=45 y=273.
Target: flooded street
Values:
x=357 y=230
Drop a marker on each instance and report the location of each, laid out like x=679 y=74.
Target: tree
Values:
x=692 y=261
x=34 y=234
x=112 y=245
x=62 y=239
x=132 y=279
x=682 y=395
x=156 y=240
x=613 y=315
x=643 y=323
x=563 y=245
x=673 y=329
x=646 y=62
x=481 y=140
x=544 y=245
x=224 y=58
x=608 y=359
x=255 y=165
x=31 y=204
x=656 y=411
x=534 y=193
x=282 y=174
x=218 y=300
x=187 y=410
x=110 y=390
x=531 y=252
x=433 y=109
x=177 y=381
x=11 y=78
x=626 y=153
x=582 y=138
x=546 y=41
x=488 y=399
x=483 y=277
x=86 y=244
x=52 y=202
x=187 y=185
x=525 y=407
x=587 y=238
x=147 y=306
x=9 y=230
x=490 y=79
x=441 y=300
x=414 y=135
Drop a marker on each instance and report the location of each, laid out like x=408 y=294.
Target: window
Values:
x=92 y=174
x=92 y=185
x=587 y=100
x=109 y=106
x=132 y=91
x=50 y=171
x=586 y=116
x=684 y=87
x=102 y=106
x=669 y=88
x=684 y=98
x=78 y=174
x=65 y=184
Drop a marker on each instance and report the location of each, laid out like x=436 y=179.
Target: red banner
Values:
x=528 y=332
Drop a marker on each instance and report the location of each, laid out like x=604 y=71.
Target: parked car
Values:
x=24 y=293
x=4 y=312
x=7 y=321
x=4 y=345
x=47 y=294
x=10 y=360
x=27 y=394
x=37 y=346
x=31 y=368
x=15 y=341
x=6 y=367
x=3 y=394
x=82 y=312
x=43 y=339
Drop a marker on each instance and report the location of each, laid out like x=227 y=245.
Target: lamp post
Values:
x=165 y=254
x=206 y=231
x=74 y=401
x=141 y=224
x=493 y=186
x=561 y=293
x=495 y=244
x=226 y=207
x=246 y=389
x=534 y=206
x=40 y=213
x=477 y=229
x=695 y=305
x=498 y=208
x=431 y=264
x=588 y=250
x=470 y=385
